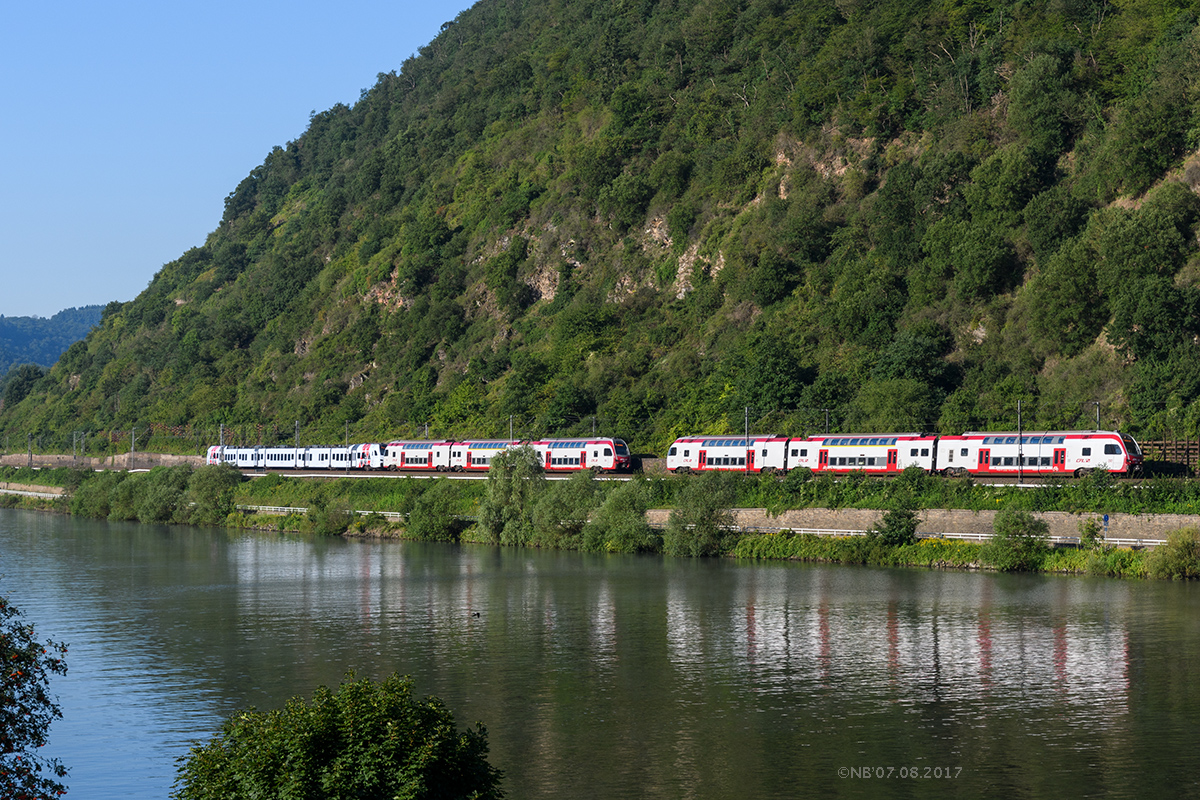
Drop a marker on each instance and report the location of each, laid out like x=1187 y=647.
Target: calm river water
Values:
x=622 y=677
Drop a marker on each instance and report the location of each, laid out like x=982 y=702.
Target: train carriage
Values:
x=574 y=455
x=367 y=455
x=874 y=453
x=753 y=453
x=1075 y=453
x=419 y=455
x=476 y=456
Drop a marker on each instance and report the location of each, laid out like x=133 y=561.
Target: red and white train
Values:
x=602 y=454
x=974 y=453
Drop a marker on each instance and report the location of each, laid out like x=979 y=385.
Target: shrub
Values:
x=328 y=520
x=561 y=513
x=619 y=526
x=1179 y=558
x=210 y=491
x=433 y=515
x=1019 y=542
x=364 y=740
x=701 y=520
x=898 y=526
x=91 y=499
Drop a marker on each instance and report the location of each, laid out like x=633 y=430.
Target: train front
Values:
x=1134 y=460
x=622 y=461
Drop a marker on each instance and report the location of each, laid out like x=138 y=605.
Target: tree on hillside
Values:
x=27 y=709
x=367 y=740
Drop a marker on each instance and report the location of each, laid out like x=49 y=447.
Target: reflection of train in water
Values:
x=974 y=453
x=602 y=454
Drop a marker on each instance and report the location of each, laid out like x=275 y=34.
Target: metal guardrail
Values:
x=285 y=510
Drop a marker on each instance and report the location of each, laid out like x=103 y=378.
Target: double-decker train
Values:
x=601 y=454
x=1031 y=453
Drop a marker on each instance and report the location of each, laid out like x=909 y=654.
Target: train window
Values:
x=608 y=451
x=995 y=461
x=1112 y=450
x=671 y=452
x=1087 y=451
x=963 y=452
x=795 y=452
x=950 y=456
x=870 y=462
x=924 y=452
x=1008 y=462
x=803 y=453
x=1045 y=461
x=873 y=441
x=912 y=453
x=764 y=452
x=741 y=462
x=685 y=453
x=1011 y=440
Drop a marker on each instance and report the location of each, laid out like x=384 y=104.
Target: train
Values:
x=978 y=453
x=596 y=453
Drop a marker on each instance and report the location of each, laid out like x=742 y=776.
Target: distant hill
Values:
x=37 y=340
x=661 y=217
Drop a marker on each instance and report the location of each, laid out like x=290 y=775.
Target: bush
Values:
x=561 y=513
x=619 y=526
x=328 y=520
x=364 y=740
x=898 y=526
x=433 y=515
x=1179 y=558
x=701 y=520
x=1019 y=542
x=91 y=499
x=210 y=492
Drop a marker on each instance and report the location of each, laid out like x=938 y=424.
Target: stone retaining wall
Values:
x=933 y=521
x=126 y=461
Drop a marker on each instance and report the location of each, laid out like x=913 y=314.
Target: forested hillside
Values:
x=30 y=345
x=659 y=217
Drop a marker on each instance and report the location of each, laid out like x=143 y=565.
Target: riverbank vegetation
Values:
x=518 y=506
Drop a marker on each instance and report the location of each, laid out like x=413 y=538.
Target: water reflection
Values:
x=619 y=676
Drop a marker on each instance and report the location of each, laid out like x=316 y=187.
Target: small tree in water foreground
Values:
x=367 y=740
x=27 y=709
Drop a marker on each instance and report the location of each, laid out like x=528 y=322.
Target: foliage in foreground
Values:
x=367 y=740
x=27 y=709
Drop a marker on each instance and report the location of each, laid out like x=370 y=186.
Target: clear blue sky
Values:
x=124 y=124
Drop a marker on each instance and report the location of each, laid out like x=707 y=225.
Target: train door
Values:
x=750 y=460
x=1060 y=459
x=548 y=458
x=703 y=459
x=583 y=458
x=985 y=457
x=891 y=462
x=823 y=459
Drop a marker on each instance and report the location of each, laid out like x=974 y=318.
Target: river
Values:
x=621 y=676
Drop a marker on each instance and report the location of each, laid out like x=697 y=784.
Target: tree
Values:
x=27 y=709
x=367 y=740
x=515 y=481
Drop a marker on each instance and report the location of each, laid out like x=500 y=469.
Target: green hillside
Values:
x=656 y=218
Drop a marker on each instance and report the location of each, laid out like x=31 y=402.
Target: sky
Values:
x=124 y=124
